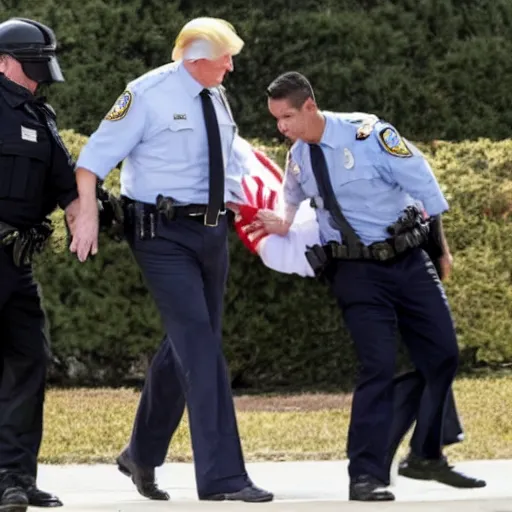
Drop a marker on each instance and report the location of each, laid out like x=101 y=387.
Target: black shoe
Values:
x=249 y=494
x=367 y=488
x=13 y=499
x=143 y=478
x=36 y=497
x=436 y=469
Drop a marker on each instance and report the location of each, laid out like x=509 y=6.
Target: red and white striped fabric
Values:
x=261 y=189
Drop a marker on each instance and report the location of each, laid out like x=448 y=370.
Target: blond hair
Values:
x=218 y=35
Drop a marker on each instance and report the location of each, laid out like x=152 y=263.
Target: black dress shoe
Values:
x=249 y=494
x=13 y=499
x=143 y=478
x=36 y=497
x=367 y=488
x=436 y=469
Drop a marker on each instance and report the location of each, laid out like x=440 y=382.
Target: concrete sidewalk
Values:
x=298 y=486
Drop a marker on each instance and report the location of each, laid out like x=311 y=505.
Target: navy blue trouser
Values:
x=23 y=362
x=185 y=268
x=376 y=299
x=413 y=403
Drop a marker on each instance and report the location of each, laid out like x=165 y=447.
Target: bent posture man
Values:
x=364 y=182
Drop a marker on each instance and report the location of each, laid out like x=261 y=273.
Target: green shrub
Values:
x=284 y=330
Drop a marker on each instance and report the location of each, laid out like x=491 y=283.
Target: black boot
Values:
x=439 y=470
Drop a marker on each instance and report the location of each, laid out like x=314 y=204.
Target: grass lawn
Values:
x=93 y=425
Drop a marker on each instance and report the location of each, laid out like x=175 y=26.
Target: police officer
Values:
x=411 y=398
x=364 y=180
x=36 y=176
x=174 y=130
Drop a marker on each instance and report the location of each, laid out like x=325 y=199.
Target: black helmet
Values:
x=33 y=45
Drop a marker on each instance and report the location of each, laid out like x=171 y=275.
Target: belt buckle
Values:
x=216 y=219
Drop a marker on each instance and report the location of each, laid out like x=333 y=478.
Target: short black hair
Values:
x=292 y=86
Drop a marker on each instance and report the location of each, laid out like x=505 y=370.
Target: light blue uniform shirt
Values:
x=372 y=186
x=161 y=139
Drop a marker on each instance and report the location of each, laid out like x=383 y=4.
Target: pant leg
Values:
x=428 y=331
x=452 y=429
x=408 y=391
x=364 y=291
x=22 y=388
x=160 y=409
x=172 y=265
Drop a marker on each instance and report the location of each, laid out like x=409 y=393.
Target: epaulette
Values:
x=366 y=128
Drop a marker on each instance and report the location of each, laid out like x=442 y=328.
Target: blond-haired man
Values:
x=174 y=130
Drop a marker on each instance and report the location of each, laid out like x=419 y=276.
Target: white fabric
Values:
x=286 y=254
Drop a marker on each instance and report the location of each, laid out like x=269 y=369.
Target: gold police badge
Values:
x=120 y=107
x=393 y=143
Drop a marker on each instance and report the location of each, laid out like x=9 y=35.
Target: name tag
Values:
x=28 y=134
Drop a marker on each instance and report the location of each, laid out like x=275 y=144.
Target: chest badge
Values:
x=348 y=159
x=28 y=134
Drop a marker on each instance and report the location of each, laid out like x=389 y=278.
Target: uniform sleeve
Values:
x=292 y=194
x=404 y=164
x=119 y=132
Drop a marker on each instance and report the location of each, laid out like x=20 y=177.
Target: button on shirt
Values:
x=372 y=186
x=162 y=140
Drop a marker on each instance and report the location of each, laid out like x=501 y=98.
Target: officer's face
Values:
x=13 y=70
x=292 y=122
x=212 y=72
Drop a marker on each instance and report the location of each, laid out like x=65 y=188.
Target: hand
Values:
x=446 y=264
x=232 y=206
x=85 y=235
x=271 y=223
x=71 y=213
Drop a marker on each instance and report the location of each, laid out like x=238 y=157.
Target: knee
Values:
x=448 y=358
x=374 y=369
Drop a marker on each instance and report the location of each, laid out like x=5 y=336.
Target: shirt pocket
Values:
x=23 y=167
x=180 y=134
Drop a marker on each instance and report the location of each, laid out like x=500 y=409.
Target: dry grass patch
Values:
x=94 y=425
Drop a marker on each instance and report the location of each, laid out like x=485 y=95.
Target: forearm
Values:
x=438 y=235
x=86 y=184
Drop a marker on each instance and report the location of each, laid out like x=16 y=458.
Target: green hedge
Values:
x=436 y=68
x=283 y=330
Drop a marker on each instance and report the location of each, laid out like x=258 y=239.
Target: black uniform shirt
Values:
x=36 y=170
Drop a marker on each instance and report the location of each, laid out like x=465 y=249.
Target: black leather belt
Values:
x=171 y=210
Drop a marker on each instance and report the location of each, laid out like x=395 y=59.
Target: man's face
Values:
x=212 y=72
x=291 y=122
x=13 y=70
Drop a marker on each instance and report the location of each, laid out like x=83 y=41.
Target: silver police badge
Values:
x=348 y=159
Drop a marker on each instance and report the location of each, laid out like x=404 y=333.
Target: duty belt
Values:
x=319 y=256
x=145 y=215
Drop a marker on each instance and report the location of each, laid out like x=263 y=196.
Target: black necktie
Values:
x=216 y=162
x=323 y=181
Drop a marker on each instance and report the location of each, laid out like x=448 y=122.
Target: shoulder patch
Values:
x=120 y=107
x=393 y=143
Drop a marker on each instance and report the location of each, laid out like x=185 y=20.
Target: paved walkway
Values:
x=298 y=486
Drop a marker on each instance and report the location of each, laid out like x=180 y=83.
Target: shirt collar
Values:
x=14 y=94
x=192 y=86
x=329 y=137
